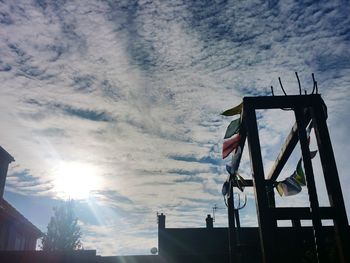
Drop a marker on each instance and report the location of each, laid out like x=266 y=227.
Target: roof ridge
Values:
x=13 y=212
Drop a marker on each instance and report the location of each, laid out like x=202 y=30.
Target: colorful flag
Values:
x=235 y=159
x=225 y=188
x=233 y=111
x=232 y=170
x=233 y=128
x=288 y=187
x=240 y=182
x=230 y=144
x=308 y=132
x=233 y=166
x=292 y=185
x=229 y=169
x=299 y=174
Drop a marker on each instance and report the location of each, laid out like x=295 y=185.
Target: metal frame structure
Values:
x=306 y=108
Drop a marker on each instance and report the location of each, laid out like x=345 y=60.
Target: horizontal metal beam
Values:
x=248 y=183
x=285 y=213
x=278 y=102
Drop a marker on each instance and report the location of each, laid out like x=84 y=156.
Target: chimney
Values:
x=209 y=220
x=161 y=221
x=5 y=159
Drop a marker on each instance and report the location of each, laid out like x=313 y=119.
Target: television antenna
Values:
x=215 y=207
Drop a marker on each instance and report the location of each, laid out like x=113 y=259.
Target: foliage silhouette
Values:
x=63 y=232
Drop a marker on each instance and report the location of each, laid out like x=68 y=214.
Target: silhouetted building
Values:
x=211 y=244
x=16 y=232
x=191 y=241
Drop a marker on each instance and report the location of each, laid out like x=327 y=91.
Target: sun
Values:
x=74 y=180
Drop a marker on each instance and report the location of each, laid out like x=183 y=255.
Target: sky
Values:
x=117 y=104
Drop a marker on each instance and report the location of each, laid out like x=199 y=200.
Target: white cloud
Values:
x=136 y=90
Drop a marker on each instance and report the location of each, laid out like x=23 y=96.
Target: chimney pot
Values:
x=210 y=222
x=161 y=221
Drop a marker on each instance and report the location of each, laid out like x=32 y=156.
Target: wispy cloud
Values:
x=135 y=89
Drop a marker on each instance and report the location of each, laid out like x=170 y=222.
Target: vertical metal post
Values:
x=331 y=176
x=298 y=240
x=238 y=223
x=231 y=225
x=233 y=235
x=310 y=181
x=271 y=195
x=266 y=224
x=239 y=251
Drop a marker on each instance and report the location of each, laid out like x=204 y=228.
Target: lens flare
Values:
x=75 y=180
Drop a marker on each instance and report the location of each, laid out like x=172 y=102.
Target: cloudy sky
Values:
x=116 y=104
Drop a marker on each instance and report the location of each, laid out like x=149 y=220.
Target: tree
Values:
x=63 y=232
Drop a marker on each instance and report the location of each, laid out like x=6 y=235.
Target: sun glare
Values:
x=75 y=180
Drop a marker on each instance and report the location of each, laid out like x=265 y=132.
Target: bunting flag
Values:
x=299 y=174
x=235 y=160
x=288 y=187
x=308 y=132
x=233 y=128
x=233 y=111
x=240 y=182
x=292 y=185
x=232 y=168
x=225 y=188
x=230 y=145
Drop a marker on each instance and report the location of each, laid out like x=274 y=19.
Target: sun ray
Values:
x=75 y=180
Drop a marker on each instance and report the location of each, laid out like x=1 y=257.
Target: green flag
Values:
x=299 y=174
x=292 y=184
x=279 y=188
x=288 y=187
x=233 y=128
x=234 y=111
